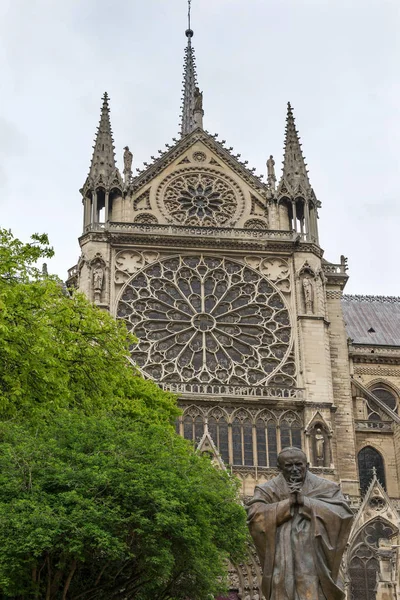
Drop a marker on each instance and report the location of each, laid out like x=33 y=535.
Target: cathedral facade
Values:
x=222 y=278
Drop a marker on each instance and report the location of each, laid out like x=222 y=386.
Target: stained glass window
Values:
x=386 y=396
x=368 y=459
x=363 y=563
x=208 y=320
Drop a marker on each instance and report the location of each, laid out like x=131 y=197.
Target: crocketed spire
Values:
x=294 y=174
x=103 y=163
x=189 y=87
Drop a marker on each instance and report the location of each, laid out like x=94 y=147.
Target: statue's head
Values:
x=292 y=463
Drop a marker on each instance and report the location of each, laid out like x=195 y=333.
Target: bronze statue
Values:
x=300 y=524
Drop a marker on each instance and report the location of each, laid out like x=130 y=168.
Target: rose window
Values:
x=201 y=199
x=208 y=320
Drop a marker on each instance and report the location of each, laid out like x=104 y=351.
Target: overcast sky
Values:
x=337 y=61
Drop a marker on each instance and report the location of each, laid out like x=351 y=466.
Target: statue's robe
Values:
x=300 y=547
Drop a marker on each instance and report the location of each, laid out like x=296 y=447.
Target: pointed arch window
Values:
x=363 y=562
x=290 y=429
x=193 y=427
x=242 y=441
x=368 y=459
x=218 y=428
x=267 y=450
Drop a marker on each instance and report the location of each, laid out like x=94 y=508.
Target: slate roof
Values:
x=372 y=320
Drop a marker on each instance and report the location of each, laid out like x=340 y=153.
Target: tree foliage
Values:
x=99 y=498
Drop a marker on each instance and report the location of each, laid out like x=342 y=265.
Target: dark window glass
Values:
x=387 y=397
x=368 y=458
x=374 y=417
x=296 y=436
x=272 y=446
x=237 y=442
x=219 y=433
x=198 y=428
x=285 y=435
x=188 y=428
x=177 y=429
x=363 y=573
x=261 y=444
x=223 y=441
x=248 y=443
x=212 y=428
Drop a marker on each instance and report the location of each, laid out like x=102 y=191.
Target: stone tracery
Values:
x=208 y=320
x=200 y=198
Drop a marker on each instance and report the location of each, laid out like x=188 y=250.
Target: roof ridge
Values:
x=367 y=298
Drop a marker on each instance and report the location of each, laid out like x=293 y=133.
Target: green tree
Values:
x=99 y=498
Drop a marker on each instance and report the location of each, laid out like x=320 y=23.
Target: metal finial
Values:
x=189 y=30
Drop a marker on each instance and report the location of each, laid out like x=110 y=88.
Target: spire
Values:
x=103 y=164
x=294 y=174
x=192 y=101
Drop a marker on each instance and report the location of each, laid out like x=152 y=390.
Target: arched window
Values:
x=242 y=441
x=368 y=459
x=193 y=427
x=386 y=395
x=290 y=428
x=267 y=451
x=218 y=429
x=363 y=562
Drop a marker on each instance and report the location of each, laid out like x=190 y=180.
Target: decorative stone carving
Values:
x=146 y=218
x=200 y=197
x=207 y=320
x=199 y=156
x=257 y=207
x=142 y=202
x=271 y=172
x=277 y=270
x=198 y=100
x=128 y=262
x=97 y=265
x=308 y=292
x=256 y=224
x=128 y=158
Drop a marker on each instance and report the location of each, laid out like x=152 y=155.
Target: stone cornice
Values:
x=388 y=355
x=119 y=234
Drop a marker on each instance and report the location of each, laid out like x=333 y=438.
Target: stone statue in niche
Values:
x=300 y=524
x=319 y=447
x=308 y=292
x=98 y=280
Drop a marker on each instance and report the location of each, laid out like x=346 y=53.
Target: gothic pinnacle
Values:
x=192 y=100
x=103 y=159
x=294 y=173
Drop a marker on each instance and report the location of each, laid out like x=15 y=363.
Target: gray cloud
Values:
x=336 y=61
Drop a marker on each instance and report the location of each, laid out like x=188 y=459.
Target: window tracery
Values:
x=386 y=395
x=364 y=563
x=200 y=197
x=246 y=437
x=208 y=320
